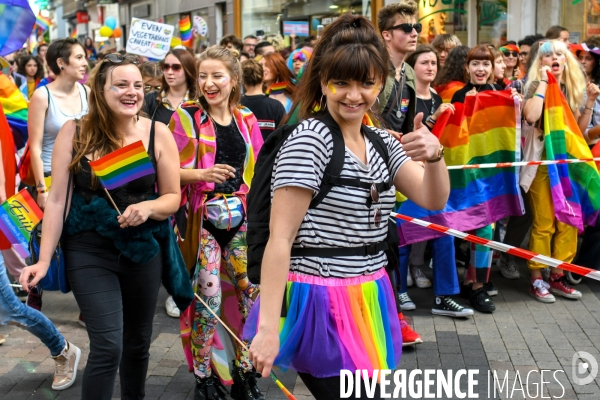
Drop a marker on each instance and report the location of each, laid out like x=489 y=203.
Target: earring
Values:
x=233 y=90
x=377 y=98
x=62 y=68
x=321 y=108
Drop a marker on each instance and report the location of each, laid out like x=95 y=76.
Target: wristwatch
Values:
x=440 y=155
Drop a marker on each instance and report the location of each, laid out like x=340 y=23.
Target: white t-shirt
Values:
x=342 y=219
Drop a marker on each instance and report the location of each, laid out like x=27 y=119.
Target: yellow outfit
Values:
x=545 y=227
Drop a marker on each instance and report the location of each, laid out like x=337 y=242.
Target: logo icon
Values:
x=584 y=363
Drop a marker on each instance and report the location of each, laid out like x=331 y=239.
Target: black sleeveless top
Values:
x=131 y=193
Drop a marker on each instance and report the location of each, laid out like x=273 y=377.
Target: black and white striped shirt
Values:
x=342 y=219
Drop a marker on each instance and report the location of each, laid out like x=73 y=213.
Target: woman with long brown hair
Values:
x=114 y=263
x=279 y=82
x=179 y=84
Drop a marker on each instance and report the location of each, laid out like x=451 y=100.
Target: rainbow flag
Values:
x=575 y=188
x=185 y=30
x=42 y=23
x=447 y=90
x=73 y=34
x=16 y=23
x=122 y=166
x=18 y=216
x=16 y=108
x=486 y=128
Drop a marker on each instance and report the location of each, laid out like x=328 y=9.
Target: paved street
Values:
x=522 y=335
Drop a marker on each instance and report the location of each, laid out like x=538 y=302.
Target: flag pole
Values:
x=112 y=201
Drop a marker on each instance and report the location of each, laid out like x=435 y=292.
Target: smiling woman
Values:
x=108 y=269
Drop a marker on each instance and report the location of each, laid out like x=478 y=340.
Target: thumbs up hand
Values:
x=420 y=145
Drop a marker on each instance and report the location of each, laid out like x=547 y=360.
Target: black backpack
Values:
x=259 y=199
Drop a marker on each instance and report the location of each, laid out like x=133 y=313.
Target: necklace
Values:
x=429 y=110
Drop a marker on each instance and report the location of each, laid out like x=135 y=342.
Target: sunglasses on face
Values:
x=510 y=53
x=150 y=88
x=117 y=58
x=174 y=67
x=408 y=28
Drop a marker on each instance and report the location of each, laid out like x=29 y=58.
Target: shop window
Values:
x=269 y=16
x=443 y=16
x=491 y=24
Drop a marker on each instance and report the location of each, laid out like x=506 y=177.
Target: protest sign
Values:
x=149 y=39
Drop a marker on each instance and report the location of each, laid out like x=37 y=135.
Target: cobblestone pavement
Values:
x=521 y=336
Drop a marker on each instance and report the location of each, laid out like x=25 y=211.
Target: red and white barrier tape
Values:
x=505 y=248
x=523 y=163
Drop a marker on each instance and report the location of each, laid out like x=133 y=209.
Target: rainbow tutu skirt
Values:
x=330 y=324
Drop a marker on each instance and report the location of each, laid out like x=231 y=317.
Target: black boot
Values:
x=245 y=386
x=208 y=389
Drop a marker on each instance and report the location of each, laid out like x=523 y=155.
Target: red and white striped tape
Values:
x=505 y=248
x=523 y=163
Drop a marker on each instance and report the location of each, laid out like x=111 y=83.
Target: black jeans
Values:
x=329 y=388
x=117 y=298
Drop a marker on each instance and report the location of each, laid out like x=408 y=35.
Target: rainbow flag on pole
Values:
x=42 y=23
x=73 y=33
x=575 y=188
x=122 y=166
x=447 y=90
x=185 y=31
x=18 y=216
x=486 y=128
x=16 y=108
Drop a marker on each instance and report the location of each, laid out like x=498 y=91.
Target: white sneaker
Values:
x=508 y=268
x=409 y=279
x=66 y=367
x=420 y=279
x=171 y=307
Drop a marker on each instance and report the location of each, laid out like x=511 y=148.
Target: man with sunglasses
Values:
x=400 y=31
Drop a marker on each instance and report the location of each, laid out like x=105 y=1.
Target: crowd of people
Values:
x=337 y=131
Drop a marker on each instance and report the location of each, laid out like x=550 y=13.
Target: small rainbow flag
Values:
x=185 y=30
x=18 y=216
x=277 y=88
x=74 y=34
x=486 y=128
x=42 y=23
x=447 y=90
x=122 y=166
x=575 y=188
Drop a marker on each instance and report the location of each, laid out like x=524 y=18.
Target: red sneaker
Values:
x=409 y=337
x=539 y=291
x=561 y=287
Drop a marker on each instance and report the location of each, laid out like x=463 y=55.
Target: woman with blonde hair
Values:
x=218 y=141
x=549 y=236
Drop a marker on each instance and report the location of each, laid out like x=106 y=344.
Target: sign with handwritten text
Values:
x=18 y=216
x=149 y=39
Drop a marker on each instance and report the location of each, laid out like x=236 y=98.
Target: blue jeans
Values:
x=33 y=321
x=445 y=279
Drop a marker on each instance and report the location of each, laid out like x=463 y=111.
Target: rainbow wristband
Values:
x=541 y=96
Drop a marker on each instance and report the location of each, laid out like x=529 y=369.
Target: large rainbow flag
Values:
x=18 y=216
x=575 y=187
x=122 y=166
x=16 y=108
x=485 y=129
x=447 y=90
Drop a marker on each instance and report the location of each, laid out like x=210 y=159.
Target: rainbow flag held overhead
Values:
x=73 y=34
x=18 y=216
x=122 y=166
x=575 y=188
x=185 y=30
x=42 y=23
x=447 y=90
x=16 y=108
x=485 y=129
